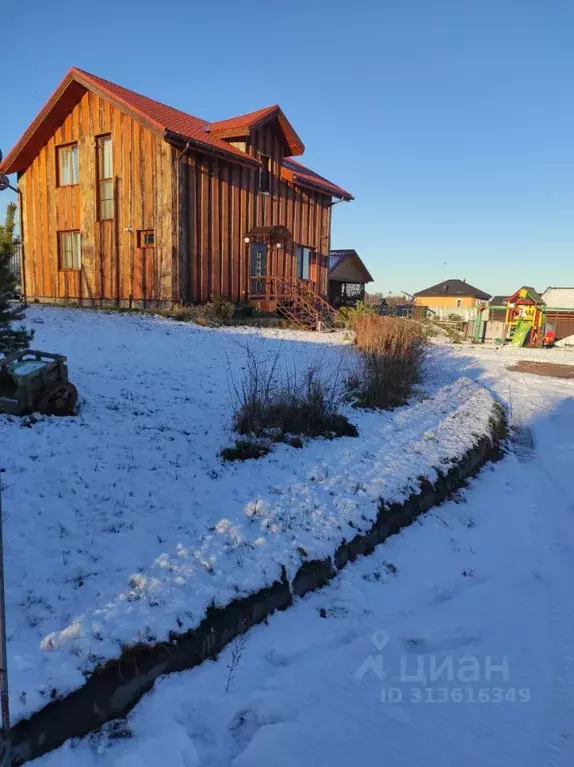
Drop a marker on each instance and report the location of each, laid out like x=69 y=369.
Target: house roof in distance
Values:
x=167 y=122
x=498 y=300
x=458 y=288
x=561 y=298
x=338 y=257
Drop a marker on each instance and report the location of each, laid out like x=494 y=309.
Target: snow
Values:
x=568 y=341
x=29 y=366
x=123 y=524
x=487 y=576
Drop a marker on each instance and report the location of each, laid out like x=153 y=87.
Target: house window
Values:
x=459 y=303
x=303 y=262
x=70 y=246
x=265 y=174
x=146 y=238
x=68 y=167
x=105 y=178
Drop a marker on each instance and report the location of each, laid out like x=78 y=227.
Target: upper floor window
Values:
x=303 y=262
x=265 y=174
x=105 y=178
x=68 y=167
x=459 y=303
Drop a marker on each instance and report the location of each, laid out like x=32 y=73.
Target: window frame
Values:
x=142 y=234
x=264 y=173
x=60 y=148
x=309 y=250
x=459 y=303
x=105 y=181
x=73 y=268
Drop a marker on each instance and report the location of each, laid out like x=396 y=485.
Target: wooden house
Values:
x=127 y=201
x=348 y=277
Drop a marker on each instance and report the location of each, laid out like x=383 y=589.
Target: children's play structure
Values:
x=525 y=323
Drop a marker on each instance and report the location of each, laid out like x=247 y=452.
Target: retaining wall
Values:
x=115 y=688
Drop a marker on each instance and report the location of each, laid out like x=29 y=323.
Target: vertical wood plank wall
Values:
x=220 y=203
x=113 y=267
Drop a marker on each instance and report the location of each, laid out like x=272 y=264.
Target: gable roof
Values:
x=498 y=300
x=531 y=293
x=338 y=257
x=244 y=124
x=169 y=123
x=157 y=117
x=560 y=298
x=293 y=171
x=453 y=288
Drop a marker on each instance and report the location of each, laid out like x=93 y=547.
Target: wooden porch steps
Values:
x=297 y=301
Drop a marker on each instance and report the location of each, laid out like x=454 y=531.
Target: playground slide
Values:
x=521 y=333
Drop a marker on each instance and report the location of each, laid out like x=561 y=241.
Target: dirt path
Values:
x=543 y=369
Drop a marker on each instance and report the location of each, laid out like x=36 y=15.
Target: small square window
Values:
x=146 y=238
x=70 y=247
x=459 y=303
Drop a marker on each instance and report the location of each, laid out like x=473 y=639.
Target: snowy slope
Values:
x=123 y=524
x=486 y=576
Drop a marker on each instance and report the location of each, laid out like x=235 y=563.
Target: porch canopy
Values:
x=271 y=234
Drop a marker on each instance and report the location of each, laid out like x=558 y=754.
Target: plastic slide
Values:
x=521 y=333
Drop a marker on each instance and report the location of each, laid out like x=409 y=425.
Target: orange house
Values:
x=451 y=294
x=130 y=202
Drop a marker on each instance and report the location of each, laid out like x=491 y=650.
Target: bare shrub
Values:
x=237 y=650
x=221 y=308
x=348 y=315
x=392 y=354
x=277 y=406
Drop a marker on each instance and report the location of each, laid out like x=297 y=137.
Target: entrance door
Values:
x=258 y=269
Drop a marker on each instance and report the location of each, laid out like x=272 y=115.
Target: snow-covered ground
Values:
x=123 y=524
x=476 y=597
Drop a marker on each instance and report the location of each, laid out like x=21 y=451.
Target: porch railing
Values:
x=295 y=298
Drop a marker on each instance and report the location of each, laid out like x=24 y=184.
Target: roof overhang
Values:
x=182 y=142
x=353 y=256
x=315 y=184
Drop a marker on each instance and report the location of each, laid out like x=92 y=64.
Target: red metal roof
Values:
x=244 y=124
x=299 y=174
x=161 y=119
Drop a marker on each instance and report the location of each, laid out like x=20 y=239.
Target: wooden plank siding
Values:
x=200 y=207
x=113 y=268
x=219 y=204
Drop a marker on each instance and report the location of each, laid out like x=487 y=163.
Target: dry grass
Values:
x=392 y=354
x=280 y=406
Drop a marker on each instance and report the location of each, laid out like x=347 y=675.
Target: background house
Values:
x=348 y=276
x=452 y=297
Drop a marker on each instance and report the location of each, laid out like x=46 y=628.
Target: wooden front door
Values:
x=258 y=271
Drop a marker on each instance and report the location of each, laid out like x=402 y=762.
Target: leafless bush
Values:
x=237 y=649
x=274 y=404
x=390 y=365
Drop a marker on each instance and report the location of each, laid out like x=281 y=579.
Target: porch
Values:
x=287 y=278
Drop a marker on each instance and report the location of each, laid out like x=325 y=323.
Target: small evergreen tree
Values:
x=11 y=339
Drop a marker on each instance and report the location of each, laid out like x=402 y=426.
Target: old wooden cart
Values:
x=34 y=380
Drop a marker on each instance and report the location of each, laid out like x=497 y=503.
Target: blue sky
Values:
x=451 y=121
